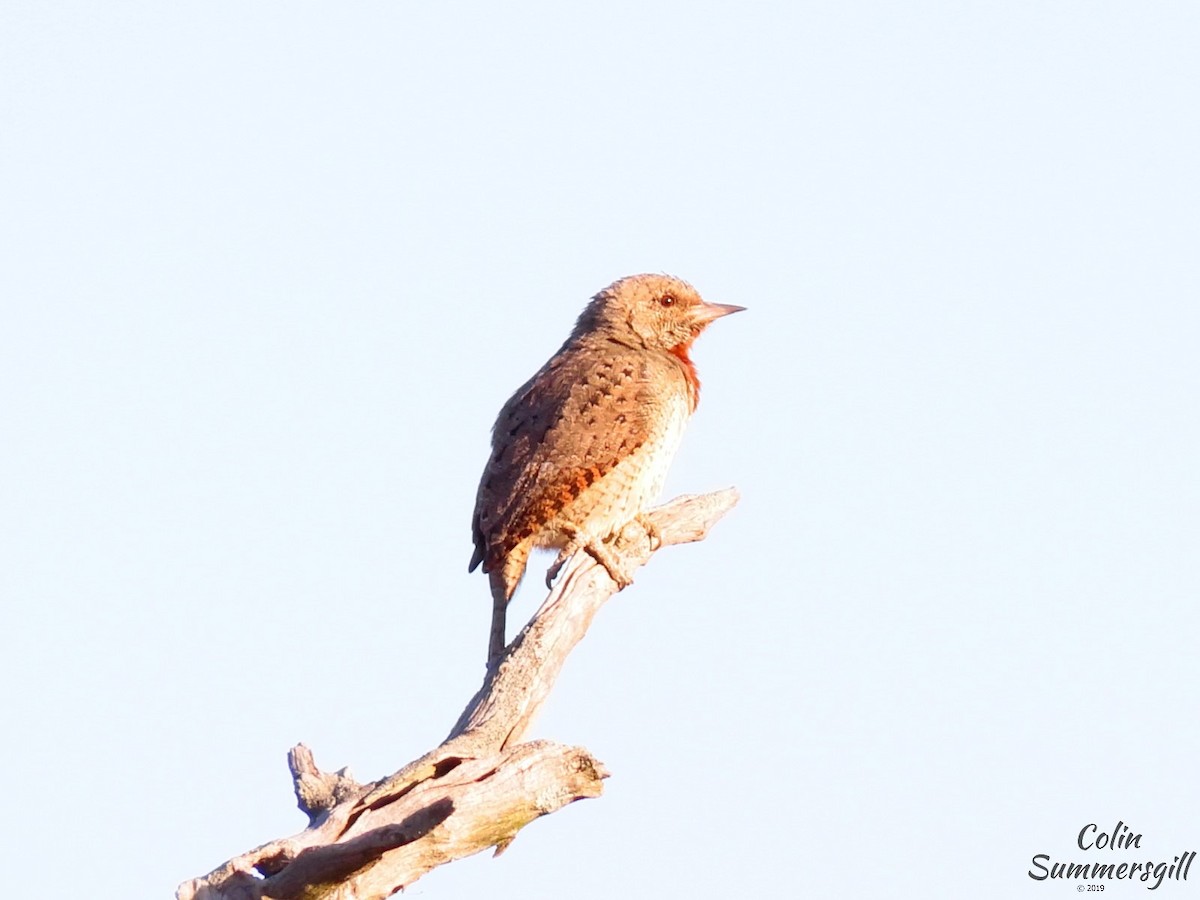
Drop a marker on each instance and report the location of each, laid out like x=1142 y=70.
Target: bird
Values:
x=583 y=447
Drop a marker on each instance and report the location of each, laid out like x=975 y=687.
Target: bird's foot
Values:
x=618 y=568
x=653 y=533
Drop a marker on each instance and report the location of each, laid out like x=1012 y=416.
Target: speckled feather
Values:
x=564 y=431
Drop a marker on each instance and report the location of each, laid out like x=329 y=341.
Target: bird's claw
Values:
x=653 y=532
x=561 y=560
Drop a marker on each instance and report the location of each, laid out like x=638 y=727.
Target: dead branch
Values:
x=481 y=785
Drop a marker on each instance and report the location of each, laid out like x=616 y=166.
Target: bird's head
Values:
x=657 y=312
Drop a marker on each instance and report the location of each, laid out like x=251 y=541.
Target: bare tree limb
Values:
x=481 y=785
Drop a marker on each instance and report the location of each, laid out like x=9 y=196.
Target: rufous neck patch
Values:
x=680 y=352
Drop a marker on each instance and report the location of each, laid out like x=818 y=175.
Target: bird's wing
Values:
x=561 y=432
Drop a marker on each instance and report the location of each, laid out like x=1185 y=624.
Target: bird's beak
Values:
x=709 y=312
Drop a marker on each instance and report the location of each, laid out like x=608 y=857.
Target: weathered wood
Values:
x=481 y=785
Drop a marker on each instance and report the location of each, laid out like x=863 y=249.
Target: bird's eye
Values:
x=666 y=300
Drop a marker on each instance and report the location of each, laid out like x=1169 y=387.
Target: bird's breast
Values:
x=636 y=481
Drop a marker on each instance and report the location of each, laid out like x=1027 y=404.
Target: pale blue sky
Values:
x=269 y=270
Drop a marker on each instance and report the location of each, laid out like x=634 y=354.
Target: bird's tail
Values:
x=501 y=594
x=503 y=577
